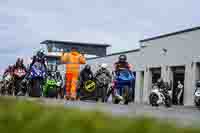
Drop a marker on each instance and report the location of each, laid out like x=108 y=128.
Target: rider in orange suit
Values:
x=73 y=60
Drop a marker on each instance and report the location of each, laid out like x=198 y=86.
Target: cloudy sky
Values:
x=121 y=23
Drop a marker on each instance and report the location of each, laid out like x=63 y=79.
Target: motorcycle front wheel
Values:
x=36 y=88
x=168 y=102
x=126 y=95
x=153 y=98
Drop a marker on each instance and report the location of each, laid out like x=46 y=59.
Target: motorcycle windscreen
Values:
x=19 y=72
x=125 y=76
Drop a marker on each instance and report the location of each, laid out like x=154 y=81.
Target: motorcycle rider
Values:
x=5 y=85
x=104 y=70
x=8 y=70
x=163 y=86
x=19 y=65
x=85 y=74
x=121 y=64
x=39 y=57
x=160 y=83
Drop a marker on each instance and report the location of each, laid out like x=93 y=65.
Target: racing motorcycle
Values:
x=37 y=77
x=87 y=90
x=160 y=96
x=7 y=85
x=18 y=76
x=123 y=86
x=60 y=87
x=102 y=83
x=197 y=94
x=51 y=86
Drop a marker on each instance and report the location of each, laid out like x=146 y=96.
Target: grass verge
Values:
x=29 y=117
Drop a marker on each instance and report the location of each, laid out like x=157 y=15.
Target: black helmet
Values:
x=9 y=66
x=18 y=62
x=122 y=58
x=40 y=54
x=87 y=67
x=21 y=61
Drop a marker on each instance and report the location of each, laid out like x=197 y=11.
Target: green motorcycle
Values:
x=50 y=88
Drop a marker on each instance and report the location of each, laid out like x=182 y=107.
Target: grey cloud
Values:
x=118 y=22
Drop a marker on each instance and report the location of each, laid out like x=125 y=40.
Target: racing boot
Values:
x=120 y=98
x=67 y=97
x=73 y=98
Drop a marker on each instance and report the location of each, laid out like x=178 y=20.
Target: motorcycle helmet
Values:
x=9 y=67
x=104 y=66
x=40 y=54
x=21 y=61
x=87 y=67
x=18 y=62
x=122 y=58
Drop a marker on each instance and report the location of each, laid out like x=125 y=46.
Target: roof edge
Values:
x=78 y=43
x=170 y=34
x=117 y=53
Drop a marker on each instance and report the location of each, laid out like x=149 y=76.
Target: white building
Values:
x=173 y=56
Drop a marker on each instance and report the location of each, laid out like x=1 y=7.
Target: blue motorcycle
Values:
x=123 y=86
x=37 y=76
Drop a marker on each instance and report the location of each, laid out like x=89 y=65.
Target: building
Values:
x=174 y=57
x=54 y=49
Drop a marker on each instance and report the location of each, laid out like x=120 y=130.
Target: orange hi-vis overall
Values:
x=73 y=60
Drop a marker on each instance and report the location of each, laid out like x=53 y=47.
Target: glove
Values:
x=90 y=76
x=24 y=80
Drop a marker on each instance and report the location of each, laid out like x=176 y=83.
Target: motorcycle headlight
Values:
x=58 y=83
x=197 y=93
x=170 y=92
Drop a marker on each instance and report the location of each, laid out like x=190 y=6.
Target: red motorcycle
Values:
x=19 y=75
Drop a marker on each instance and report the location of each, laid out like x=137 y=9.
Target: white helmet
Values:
x=104 y=65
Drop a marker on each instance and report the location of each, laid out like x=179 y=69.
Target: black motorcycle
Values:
x=18 y=76
x=197 y=94
x=87 y=89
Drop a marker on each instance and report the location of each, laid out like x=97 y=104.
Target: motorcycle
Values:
x=102 y=83
x=50 y=88
x=87 y=90
x=160 y=96
x=123 y=86
x=197 y=94
x=20 y=86
x=60 y=88
x=37 y=76
x=7 y=85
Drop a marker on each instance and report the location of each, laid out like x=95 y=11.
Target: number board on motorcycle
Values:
x=90 y=86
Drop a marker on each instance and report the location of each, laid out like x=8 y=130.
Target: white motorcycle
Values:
x=160 y=96
x=197 y=94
